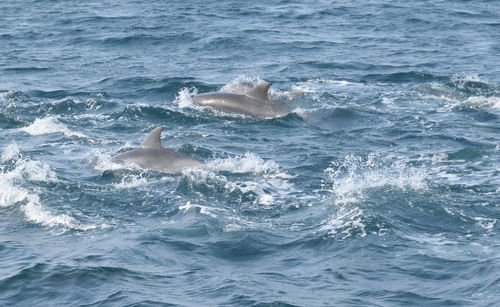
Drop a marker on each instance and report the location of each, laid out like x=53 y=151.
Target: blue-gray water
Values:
x=382 y=187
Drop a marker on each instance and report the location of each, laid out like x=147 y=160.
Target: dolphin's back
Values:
x=152 y=155
x=243 y=104
x=158 y=159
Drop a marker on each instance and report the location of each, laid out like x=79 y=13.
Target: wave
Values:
x=351 y=183
x=50 y=124
x=16 y=172
x=464 y=92
x=205 y=210
x=26 y=70
x=72 y=105
x=103 y=161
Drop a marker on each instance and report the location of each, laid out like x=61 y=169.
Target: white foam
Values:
x=92 y=116
x=102 y=161
x=431 y=239
x=481 y=101
x=485 y=223
x=131 y=181
x=322 y=85
x=183 y=98
x=13 y=193
x=352 y=176
x=23 y=169
x=10 y=152
x=387 y=100
x=201 y=209
x=8 y=95
x=248 y=163
x=266 y=199
x=237 y=223
x=48 y=125
x=460 y=81
x=453 y=99
x=344 y=222
x=199 y=176
x=10 y=195
x=269 y=183
x=233 y=227
x=37 y=213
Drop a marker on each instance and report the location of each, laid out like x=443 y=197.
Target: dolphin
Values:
x=152 y=155
x=245 y=86
x=254 y=102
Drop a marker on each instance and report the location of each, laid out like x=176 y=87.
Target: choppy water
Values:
x=381 y=187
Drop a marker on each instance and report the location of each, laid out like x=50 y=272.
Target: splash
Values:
x=241 y=84
x=265 y=180
x=183 y=98
x=103 y=161
x=248 y=163
x=10 y=152
x=199 y=177
x=353 y=176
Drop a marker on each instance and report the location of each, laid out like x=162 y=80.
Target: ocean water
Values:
x=381 y=188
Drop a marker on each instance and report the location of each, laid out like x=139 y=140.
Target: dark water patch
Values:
x=246 y=248
x=59 y=94
x=467 y=154
x=138 y=39
x=343 y=119
x=168 y=243
x=8 y=122
x=26 y=70
x=97 y=19
x=411 y=298
x=403 y=77
x=42 y=276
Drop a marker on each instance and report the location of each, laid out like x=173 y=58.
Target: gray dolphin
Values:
x=255 y=102
x=245 y=86
x=152 y=155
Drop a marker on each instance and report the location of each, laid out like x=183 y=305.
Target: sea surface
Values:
x=381 y=188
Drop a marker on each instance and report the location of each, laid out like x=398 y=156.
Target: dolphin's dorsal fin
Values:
x=260 y=91
x=153 y=139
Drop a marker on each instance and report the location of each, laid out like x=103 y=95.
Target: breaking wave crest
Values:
x=51 y=124
x=15 y=172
